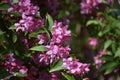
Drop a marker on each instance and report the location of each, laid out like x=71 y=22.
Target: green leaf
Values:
x=95 y=22
x=16 y=14
x=104 y=1
x=34 y=34
x=15 y=1
x=49 y=22
x=57 y=66
x=68 y=76
x=108 y=65
x=117 y=53
x=4 y=6
x=107 y=58
x=63 y=14
x=1 y=36
x=20 y=74
x=12 y=27
x=107 y=44
x=38 y=48
x=38 y=15
x=109 y=70
x=1 y=32
x=116 y=24
x=14 y=38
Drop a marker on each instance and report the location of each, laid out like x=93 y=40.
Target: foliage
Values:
x=59 y=40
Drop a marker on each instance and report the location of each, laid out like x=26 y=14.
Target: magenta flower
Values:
x=43 y=39
x=24 y=7
x=97 y=61
x=29 y=24
x=86 y=79
x=12 y=64
x=88 y=5
x=56 y=52
x=59 y=33
x=23 y=70
x=44 y=59
x=75 y=67
x=93 y=41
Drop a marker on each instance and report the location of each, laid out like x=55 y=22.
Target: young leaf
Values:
x=15 y=1
x=49 y=22
x=57 y=66
x=109 y=70
x=14 y=38
x=68 y=76
x=16 y=14
x=20 y=74
x=117 y=53
x=1 y=36
x=38 y=15
x=12 y=27
x=38 y=48
x=107 y=58
x=95 y=22
x=108 y=65
x=107 y=44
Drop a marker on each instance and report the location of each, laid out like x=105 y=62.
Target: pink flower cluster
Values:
x=24 y=7
x=75 y=67
x=57 y=47
x=88 y=5
x=56 y=50
x=59 y=33
x=93 y=41
x=97 y=61
x=11 y=64
x=28 y=23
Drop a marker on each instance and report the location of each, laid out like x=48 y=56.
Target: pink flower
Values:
x=88 y=5
x=97 y=61
x=75 y=67
x=59 y=33
x=93 y=41
x=11 y=64
x=24 y=7
x=29 y=24
x=23 y=71
x=44 y=59
x=43 y=39
x=86 y=79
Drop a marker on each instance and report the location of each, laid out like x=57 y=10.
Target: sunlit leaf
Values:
x=57 y=66
x=68 y=76
x=49 y=22
x=117 y=53
x=38 y=48
x=107 y=44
